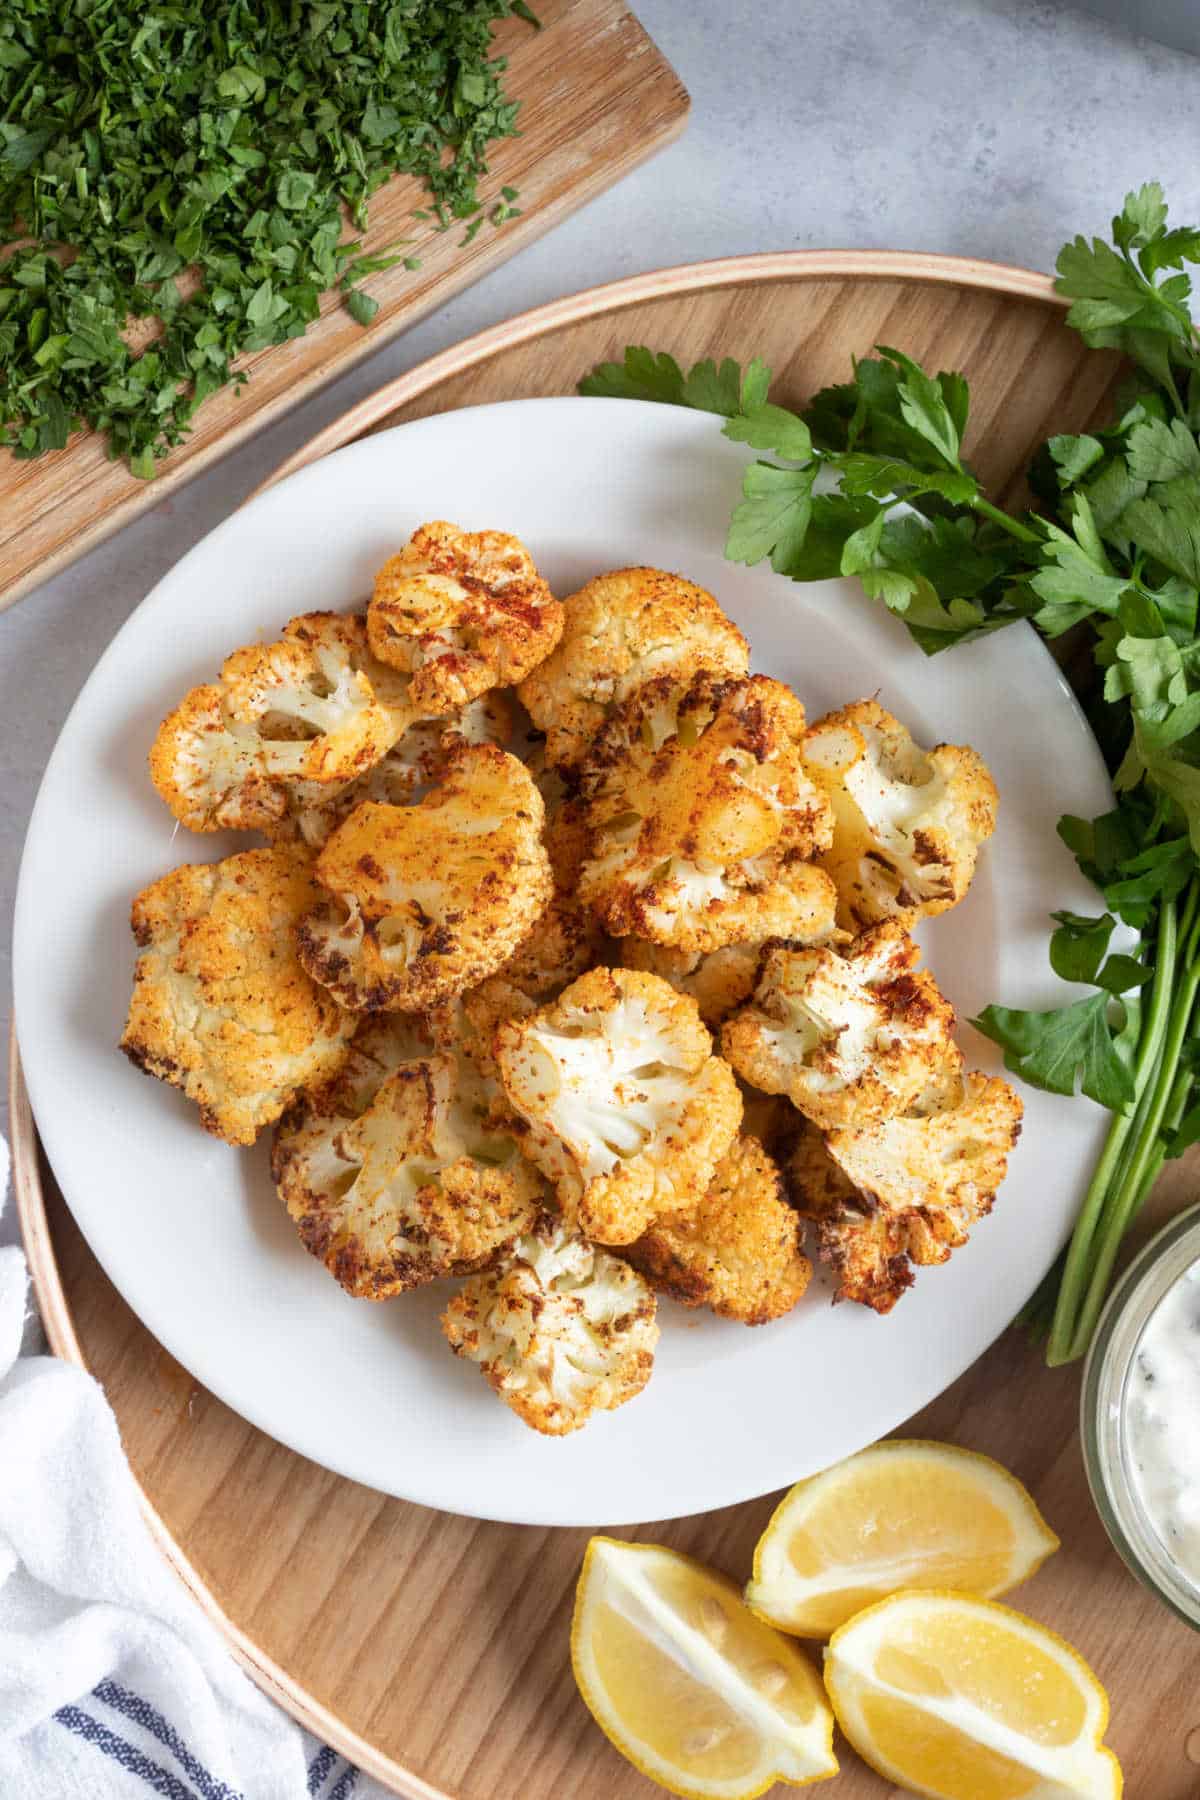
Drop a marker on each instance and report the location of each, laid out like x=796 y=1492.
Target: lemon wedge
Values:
x=904 y=1514
x=961 y=1699
x=687 y=1684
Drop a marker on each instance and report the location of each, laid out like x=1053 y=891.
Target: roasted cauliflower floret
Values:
x=719 y=983
x=314 y=810
x=315 y=707
x=469 y=1023
x=699 y=809
x=403 y=1169
x=628 y=1111
x=738 y=1252
x=209 y=769
x=849 y=1035
x=560 y=1329
x=567 y=939
x=331 y=634
x=906 y=1191
x=621 y=630
x=908 y=823
x=461 y=612
x=221 y=1007
x=427 y=900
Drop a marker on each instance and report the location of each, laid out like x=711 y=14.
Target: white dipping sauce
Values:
x=1162 y=1422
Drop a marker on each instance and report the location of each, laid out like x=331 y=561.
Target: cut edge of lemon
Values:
x=777 y=1594
x=1004 y=1741
x=602 y=1571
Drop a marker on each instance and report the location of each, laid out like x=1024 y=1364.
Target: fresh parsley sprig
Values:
x=871 y=481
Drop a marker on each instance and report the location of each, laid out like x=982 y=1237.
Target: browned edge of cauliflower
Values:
x=739 y=1252
x=702 y=816
x=904 y=1193
x=424 y=901
x=221 y=1007
x=560 y=1329
x=461 y=612
x=620 y=630
x=404 y=1168
x=908 y=823
x=850 y=1034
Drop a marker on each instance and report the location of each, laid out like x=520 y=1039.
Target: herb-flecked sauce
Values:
x=1162 y=1422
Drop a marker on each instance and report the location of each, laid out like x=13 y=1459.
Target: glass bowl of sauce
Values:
x=1141 y=1415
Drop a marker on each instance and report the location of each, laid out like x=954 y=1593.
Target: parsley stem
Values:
x=1108 y=1179
x=1058 y=1349
x=1147 y=1152
x=1180 y=408
x=1180 y=1094
x=1005 y=520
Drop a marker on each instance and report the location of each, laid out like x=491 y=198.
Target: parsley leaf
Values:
x=1074 y=456
x=1069 y=1047
x=1158 y=451
x=1166 y=523
x=772 y=428
x=1078 y=947
x=648 y=375
x=772 y=518
x=935 y=408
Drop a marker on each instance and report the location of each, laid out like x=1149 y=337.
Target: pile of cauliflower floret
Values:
x=530 y=865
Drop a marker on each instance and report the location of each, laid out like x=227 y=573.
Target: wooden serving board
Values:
x=596 y=97
x=431 y=1649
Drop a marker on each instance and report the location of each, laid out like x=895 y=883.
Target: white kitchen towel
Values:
x=113 y=1684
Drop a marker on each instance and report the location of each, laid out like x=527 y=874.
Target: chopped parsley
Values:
x=203 y=168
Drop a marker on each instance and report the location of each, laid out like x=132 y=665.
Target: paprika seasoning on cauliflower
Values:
x=314 y=707
x=904 y=1192
x=718 y=982
x=404 y=1167
x=567 y=939
x=314 y=810
x=908 y=823
x=560 y=1329
x=627 y=1110
x=221 y=1007
x=461 y=612
x=849 y=1035
x=424 y=901
x=620 y=630
x=702 y=817
x=739 y=1251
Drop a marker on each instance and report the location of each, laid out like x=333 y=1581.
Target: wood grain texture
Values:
x=596 y=99
x=431 y=1648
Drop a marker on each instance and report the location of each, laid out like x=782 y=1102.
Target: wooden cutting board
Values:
x=597 y=98
x=432 y=1649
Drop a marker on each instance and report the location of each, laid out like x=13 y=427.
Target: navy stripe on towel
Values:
x=140 y=1712
x=123 y=1752
x=345 y=1786
x=319 y=1768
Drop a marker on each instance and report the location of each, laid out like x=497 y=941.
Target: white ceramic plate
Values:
x=191 y=1232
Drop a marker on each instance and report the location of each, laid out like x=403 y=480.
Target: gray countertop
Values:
x=991 y=128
